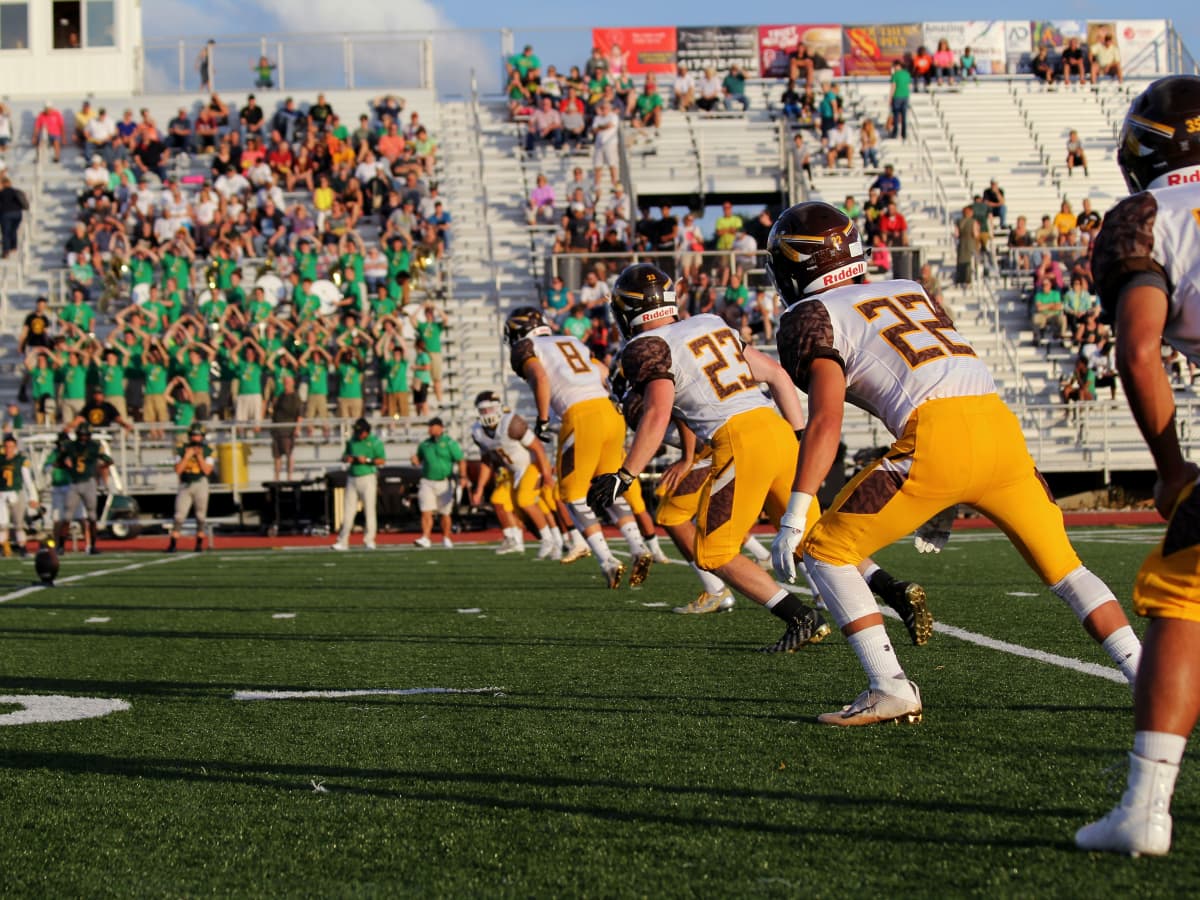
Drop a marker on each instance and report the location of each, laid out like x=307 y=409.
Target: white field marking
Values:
x=470 y=611
x=366 y=692
x=33 y=588
x=1021 y=594
x=654 y=605
x=57 y=708
x=1051 y=659
x=96 y=620
x=283 y=616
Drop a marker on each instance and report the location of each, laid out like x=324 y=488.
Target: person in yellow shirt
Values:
x=727 y=227
x=1064 y=223
x=322 y=200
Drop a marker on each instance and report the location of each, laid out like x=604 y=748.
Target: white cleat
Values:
x=339 y=546
x=579 y=551
x=547 y=549
x=708 y=603
x=423 y=542
x=447 y=543
x=1141 y=824
x=660 y=556
x=873 y=707
x=370 y=545
x=506 y=547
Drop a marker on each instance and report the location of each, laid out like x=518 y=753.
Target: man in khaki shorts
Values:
x=438 y=455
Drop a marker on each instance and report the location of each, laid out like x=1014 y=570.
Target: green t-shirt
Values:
x=43 y=382
x=902 y=81
x=431 y=334
x=576 y=326
x=383 y=306
x=306 y=265
x=11 y=479
x=421 y=368
x=225 y=268
x=647 y=103
x=438 y=456
x=156 y=378
x=78 y=314
x=352 y=267
x=395 y=375
x=524 y=64
x=198 y=376
x=249 y=375
x=398 y=261
x=317 y=375
x=156 y=315
x=177 y=267
x=370 y=447
x=308 y=307
x=74 y=381
x=141 y=270
x=56 y=462
x=212 y=310
x=350 y=382
x=260 y=311
x=112 y=379
x=173 y=303
x=184 y=413
x=236 y=296
x=83 y=273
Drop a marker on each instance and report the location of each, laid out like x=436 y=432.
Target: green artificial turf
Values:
x=619 y=751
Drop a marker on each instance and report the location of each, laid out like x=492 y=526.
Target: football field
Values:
x=453 y=723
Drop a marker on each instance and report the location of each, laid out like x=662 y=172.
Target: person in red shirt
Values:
x=49 y=122
x=280 y=159
x=894 y=227
x=574 y=123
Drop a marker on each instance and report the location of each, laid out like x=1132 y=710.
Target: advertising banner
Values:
x=985 y=37
x=1053 y=33
x=1143 y=45
x=777 y=43
x=871 y=49
x=1018 y=45
x=718 y=47
x=637 y=50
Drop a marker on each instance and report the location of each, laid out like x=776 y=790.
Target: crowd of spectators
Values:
x=1084 y=64
x=218 y=258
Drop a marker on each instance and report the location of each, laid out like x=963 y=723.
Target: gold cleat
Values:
x=708 y=603
x=580 y=551
x=641 y=568
x=614 y=573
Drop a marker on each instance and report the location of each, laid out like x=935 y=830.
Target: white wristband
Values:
x=797 y=511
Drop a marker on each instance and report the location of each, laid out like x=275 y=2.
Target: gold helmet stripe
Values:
x=1158 y=127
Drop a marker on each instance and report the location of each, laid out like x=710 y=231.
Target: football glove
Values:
x=791 y=530
x=541 y=430
x=606 y=488
x=933 y=535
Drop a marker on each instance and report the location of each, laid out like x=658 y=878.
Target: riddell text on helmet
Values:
x=851 y=271
x=1191 y=177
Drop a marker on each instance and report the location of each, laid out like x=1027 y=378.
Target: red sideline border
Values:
x=158 y=543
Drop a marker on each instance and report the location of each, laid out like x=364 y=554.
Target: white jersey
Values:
x=574 y=375
x=508 y=444
x=702 y=356
x=1154 y=238
x=898 y=348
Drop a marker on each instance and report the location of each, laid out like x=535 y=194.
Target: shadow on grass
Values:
x=448 y=788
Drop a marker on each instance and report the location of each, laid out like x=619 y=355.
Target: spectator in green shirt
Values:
x=734 y=89
x=648 y=109
x=577 y=324
x=350 y=384
x=315 y=366
x=246 y=363
x=526 y=66
x=195 y=367
x=393 y=371
x=42 y=383
x=110 y=375
x=363 y=455
x=154 y=404
x=899 y=92
x=76 y=317
x=72 y=375
x=430 y=329
x=438 y=456
x=421 y=379
x=155 y=312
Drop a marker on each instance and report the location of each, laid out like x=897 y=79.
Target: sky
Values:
x=555 y=29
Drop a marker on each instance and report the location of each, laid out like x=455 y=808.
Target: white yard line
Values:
x=34 y=588
x=1050 y=659
x=365 y=692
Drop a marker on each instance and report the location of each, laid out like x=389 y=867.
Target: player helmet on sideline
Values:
x=643 y=293
x=83 y=432
x=523 y=322
x=361 y=428
x=813 y=246
x=196 y=433
x=1161 y=135
x=489 y=408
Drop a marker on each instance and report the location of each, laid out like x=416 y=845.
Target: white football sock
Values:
x=711 y=582
x=1160 y=746
x=1123 y=648
x=653 y=546
x=575 y=538
x=546 y=534
x=600 y=549
x=874 y=650
x=752 y=546
x=633 y=538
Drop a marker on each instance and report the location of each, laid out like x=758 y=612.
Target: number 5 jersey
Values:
x=896 y=346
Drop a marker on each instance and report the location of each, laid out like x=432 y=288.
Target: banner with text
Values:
x=1018 y=45
x=1143 y=45
x=985 y=38
x=871 y=49
x=777 y=43
x=637 y=50
x=718 y=47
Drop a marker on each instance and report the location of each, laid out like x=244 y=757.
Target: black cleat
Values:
x=907 y=598
x=807 y=628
